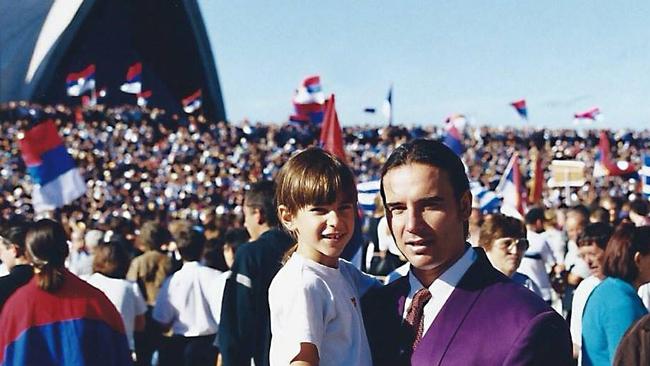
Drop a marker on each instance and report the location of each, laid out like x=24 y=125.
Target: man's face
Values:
x=251 y=221
x=424 y=216
x=593 y=256
x=575 y=225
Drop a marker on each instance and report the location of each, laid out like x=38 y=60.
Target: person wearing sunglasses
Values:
x=12 y=254
x=504 y=240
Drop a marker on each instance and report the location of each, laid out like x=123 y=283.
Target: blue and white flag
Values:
x=368 y=192
x=485 y=200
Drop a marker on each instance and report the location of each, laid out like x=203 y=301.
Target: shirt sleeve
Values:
x=299 y=314
x=140 y=304
x=163 y=311
x=620 y=316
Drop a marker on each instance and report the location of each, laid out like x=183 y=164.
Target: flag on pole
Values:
x=133 y=84
x=511 y=190
x=331 y=137
x=453 y=135
x=537 y=184
x=80 y=82
x=604 y=166
x=645 y=176
x=387 y=107
x=57 y=181
x=520 y=107
x=143 y=98
x=192 y=102
x=590 y=114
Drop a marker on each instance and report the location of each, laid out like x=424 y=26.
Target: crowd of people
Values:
x=180 y=232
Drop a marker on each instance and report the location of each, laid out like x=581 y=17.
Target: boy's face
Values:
x=322 y=231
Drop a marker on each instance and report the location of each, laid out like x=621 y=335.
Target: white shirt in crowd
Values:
x=580 y=296
x=126 y=297
x=385 y=238
x=574 y=263
x=537 y=263
x=441 y=288
x=313 y=303
x=189 y=300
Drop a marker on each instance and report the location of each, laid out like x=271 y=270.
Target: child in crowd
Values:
x=315 y=298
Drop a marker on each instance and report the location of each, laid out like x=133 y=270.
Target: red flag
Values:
x=612 y=168
x=331 y=137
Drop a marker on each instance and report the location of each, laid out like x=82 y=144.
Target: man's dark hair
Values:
x=190 y=243
x=261 y=195
x=597 y=233
x=534 y=214
x=639 y=206
x=432 y=153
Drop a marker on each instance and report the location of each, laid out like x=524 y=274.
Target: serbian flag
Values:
x=454 y=127
x=520 y=107
x=80 y=82
x=143 y=98
x=331 y=137
x=511 y=190
x=57 y=181
x=309 y=101
x=192 y=102
x=590 y=114
x=133 y=84
x=604 y=166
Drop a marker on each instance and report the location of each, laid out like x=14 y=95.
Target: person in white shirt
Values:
x=591 y=247
x=189 y=305
x=315 y=299
x=110 y=264
x=538 y=260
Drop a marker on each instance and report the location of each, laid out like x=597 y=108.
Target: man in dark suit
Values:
x=245 y=328
x=453 y=308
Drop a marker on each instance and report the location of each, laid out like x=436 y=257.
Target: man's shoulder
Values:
x=273 y=240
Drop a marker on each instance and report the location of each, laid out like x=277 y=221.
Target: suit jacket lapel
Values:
x=442 y=331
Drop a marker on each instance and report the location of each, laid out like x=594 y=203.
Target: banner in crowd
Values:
x=133 y=83
x=80 y=82
x=57 y=181
x=567 y=173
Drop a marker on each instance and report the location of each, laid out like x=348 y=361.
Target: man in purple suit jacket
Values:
x=475 y=314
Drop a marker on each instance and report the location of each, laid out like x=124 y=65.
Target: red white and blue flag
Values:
x=511 y=189
x=133 y=84
x=192 y=102
x=80 y=82
x=309 y=101
x=604 y=166
x=57 y=181
x=592 y=114
x=143 y=98
x=520 y=107
x=454 y=129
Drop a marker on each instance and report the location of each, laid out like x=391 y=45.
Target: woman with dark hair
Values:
x=614 y=305
x=57 y=318
x=110 y=263
x=13 y=256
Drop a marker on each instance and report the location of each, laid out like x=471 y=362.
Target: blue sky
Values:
x=443 y=57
